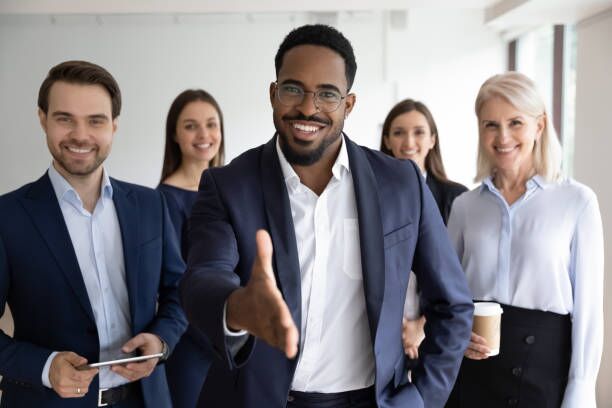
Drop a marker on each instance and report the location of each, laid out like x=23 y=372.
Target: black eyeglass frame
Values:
x=315 y=97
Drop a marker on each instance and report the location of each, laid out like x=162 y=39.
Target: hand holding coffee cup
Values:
x=485 y=331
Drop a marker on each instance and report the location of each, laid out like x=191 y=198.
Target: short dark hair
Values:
x=80 y=72
x=325 y=36
x=172 y=152
x=433 y=160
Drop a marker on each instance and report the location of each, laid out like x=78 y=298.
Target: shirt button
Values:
x=517 y=371
x=512 y=402
x=530 y=339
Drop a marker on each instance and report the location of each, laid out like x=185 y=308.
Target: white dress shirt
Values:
x=412 y=305
x=543 y=252
x=96 y=238
x=336 y=349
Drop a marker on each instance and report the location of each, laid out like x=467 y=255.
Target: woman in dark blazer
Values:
x=410 y=132
x=194 y=142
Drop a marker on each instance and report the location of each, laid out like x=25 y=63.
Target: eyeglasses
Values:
x=325 y=100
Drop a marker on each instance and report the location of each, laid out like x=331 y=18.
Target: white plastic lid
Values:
x=487 y=309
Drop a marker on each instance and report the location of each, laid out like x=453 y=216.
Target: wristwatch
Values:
x=165 y=350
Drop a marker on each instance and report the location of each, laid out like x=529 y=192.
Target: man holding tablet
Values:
x=88 y=264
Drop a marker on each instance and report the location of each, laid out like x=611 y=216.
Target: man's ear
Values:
x=115 y=122
x=272 y=93
x=42 y=118
x=349 y=103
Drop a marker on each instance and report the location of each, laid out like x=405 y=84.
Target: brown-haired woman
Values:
x=409 y=132
x=194 y=142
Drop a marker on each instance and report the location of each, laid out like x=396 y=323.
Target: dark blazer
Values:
x=444 y=192
x=400 y=229
x=187 y=366
x=41 y=281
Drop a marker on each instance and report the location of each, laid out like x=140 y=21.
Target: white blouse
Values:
x=543 y=252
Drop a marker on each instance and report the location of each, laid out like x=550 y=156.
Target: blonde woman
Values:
x=532 y=241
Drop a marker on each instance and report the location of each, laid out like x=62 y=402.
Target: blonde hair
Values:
x=521 y=92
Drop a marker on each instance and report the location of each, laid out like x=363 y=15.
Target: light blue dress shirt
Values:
x=543 y=252
x=96 y=239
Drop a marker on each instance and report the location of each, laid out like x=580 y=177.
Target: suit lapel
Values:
x=126 y=206
x=42 y=206
x=278 y=212
x=370 y=232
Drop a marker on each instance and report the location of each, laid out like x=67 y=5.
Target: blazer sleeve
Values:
x=20 y=361
x=210 y=277
x=170 y=321
x=446 y=303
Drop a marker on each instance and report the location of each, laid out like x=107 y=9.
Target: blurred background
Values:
x=435 y=51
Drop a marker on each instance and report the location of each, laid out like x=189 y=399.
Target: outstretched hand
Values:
x=259 y=307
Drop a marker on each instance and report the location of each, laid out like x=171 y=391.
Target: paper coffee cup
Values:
x=487 y=323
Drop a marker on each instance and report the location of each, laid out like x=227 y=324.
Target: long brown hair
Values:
x=172 y=153
x=433 y=160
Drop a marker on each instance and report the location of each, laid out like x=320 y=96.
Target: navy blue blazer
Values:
x=41 y=281
x=400 y=229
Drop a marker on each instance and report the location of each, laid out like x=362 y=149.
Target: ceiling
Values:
x=505 y=16
x=221 y=6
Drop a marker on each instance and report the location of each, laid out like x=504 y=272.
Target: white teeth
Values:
x=305 y=128
x=504 y=149
x=203 y=145
x=409 y=152
x=79 y=150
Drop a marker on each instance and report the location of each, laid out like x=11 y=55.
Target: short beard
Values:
x=305 y=159
x=76 y=171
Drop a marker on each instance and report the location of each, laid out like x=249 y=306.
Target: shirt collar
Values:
x=63 y=189
x=341 y=165
x=536 y=181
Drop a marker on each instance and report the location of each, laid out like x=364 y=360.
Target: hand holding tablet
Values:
x=119 y=361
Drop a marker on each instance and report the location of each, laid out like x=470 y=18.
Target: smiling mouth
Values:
x=505 y=150
x=79 y=150
x=203 y=145
x=305 y=128
x=410 y=152
x=305 y=133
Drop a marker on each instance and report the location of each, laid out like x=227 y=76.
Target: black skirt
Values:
x=531 y=369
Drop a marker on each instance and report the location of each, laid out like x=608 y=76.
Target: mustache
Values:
x=312 y=118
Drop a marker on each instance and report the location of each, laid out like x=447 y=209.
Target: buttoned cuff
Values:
x=235 y=340
x=45 y=373
x=226 y=329
x=579 y=394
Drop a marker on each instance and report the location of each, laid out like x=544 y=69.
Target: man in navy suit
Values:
x=88 y=264
x=301 y=251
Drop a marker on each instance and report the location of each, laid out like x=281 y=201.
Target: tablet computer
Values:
x=119 y=361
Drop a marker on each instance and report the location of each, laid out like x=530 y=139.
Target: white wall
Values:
x=440 y=57
x=593 y=144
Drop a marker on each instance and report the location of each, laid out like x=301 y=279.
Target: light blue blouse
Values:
x=543 y=252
